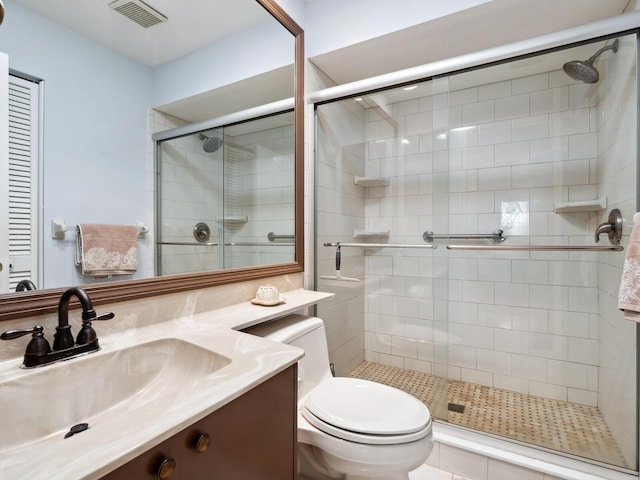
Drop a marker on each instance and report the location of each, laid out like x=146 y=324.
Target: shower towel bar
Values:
x=376 y=245
x=495 y=236
x=192 y=244
x=537 y=248
x=272 y=236
x=259 y=244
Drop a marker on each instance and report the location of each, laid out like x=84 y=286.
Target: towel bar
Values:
x=191 y=244
x=59 y=228
x=272 y=236
x=537 y=248
x=495 y=236
x=377 y=245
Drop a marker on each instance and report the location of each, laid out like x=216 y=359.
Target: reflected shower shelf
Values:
x=370 y=233
x=370 y=181
x=232 y=219
x=581 y=206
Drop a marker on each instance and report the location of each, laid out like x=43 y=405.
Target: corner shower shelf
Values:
x=370 y=181
x=233 y=219
x=370 y=233
x=581 y=206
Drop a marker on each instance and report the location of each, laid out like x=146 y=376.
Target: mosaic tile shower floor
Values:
x=567 y=427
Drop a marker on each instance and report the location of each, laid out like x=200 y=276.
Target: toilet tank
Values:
x=304 y=332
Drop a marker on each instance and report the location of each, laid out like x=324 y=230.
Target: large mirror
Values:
x=105 y=84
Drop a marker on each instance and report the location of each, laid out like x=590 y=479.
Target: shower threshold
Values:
x=562 y=426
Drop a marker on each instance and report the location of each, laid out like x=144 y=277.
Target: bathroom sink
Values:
x=46 y=402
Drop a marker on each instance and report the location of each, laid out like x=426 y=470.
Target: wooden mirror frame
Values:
x=30 y=303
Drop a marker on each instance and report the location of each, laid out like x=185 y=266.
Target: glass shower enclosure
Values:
x=464 y=208
x=225 y=197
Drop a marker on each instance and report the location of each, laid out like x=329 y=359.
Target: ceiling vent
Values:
x=139 y=12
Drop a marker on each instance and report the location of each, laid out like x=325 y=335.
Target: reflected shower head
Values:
x=585 y=71
x=211 y=144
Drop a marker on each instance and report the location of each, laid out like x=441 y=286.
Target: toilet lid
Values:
x=368 y=408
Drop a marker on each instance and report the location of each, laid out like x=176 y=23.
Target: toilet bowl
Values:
x=348 y=428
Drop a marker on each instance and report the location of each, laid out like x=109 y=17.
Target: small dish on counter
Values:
x=268 y=303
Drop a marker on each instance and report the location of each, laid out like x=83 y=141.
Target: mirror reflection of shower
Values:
x=211 y=144
x=585 y=71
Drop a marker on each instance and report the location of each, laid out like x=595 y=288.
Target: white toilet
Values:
x=348 y=428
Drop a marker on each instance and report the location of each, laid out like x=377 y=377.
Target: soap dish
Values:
x=268 y=303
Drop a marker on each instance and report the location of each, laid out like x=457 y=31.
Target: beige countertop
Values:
x=125 y=430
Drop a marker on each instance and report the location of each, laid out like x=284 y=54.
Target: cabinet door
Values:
x=252 y=438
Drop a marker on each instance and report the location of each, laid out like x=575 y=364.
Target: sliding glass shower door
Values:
x=510 y=324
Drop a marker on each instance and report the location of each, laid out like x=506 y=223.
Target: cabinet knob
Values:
x=203 y=442
x=166 y=468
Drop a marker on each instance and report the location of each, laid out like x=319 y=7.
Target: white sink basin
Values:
x=49 y=400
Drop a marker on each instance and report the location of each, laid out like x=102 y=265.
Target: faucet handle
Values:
x=38 y=344
x=87 y=334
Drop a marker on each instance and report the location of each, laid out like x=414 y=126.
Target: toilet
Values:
x=349 y=429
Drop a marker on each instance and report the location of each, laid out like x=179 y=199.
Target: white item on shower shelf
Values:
x=338 y=275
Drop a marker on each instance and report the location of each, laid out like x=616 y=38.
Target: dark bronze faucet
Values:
x=25 y=285
x=40 y=353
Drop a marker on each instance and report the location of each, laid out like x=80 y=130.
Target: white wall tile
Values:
x=552 y=100
x=516 y=106
x=567 y=373
x=553 y=149
x=479 y=112
x=477 y=157
x=571 y=122
x=493 y=133
x=530 y=84
x=583 y=146
x=530 y=128
x=495 y=362
x=494 y=90
x=507 y=154
x=514 y=294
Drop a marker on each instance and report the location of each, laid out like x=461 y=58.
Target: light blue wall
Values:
x=95 y=132
x=96 y=106
x=237 y=57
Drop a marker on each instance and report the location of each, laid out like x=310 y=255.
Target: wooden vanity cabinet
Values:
x=251 y=438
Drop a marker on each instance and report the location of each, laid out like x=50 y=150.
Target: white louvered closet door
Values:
x=23 y=181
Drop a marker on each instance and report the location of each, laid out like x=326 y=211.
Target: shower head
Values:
x=584 y=70
x=211 y=144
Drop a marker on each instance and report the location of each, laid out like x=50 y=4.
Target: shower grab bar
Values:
x=192 y=244
x=377 y=245
x=259 y=244
x=537 y=248
x=272 y=236
x=495 y=236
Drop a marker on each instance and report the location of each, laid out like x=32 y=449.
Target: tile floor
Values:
x=566 y=427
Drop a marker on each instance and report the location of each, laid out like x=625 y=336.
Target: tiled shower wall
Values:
x=186 y=200
x=262 y=167
x=540 y=323
x=256 y=181
x=617 y=161
x=191 y=193
x=339 y=210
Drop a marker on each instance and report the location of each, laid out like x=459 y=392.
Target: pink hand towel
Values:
x=629 y=294
x=106 y=250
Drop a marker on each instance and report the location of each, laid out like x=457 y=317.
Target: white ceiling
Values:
x=192 y=24
x=495 y=23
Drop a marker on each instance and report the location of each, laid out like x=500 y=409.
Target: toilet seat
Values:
x=366 y=412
